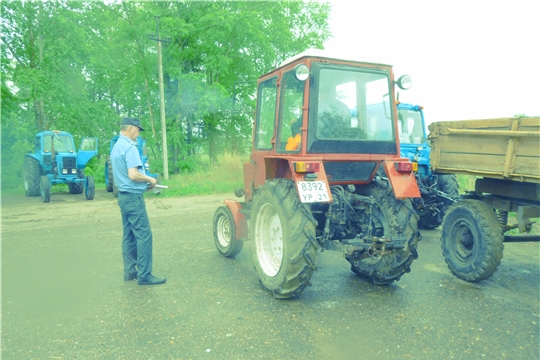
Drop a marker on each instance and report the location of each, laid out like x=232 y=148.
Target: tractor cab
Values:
x=339 y=114
x=412 y=136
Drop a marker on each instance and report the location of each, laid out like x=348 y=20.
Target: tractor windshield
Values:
x=411 y=130
x=352 y=106
x=62 y=143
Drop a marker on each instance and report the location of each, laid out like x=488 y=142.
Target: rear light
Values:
x=303 y=167
x=404 y=166
x=414 y=166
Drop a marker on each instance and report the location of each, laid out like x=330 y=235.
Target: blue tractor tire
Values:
x=45 y=189
x=31 y=176
x=90 y=188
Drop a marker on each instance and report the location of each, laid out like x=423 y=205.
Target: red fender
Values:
x=403 y=184
x=240 y=221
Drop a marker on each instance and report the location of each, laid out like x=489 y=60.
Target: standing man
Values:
x=132 y=181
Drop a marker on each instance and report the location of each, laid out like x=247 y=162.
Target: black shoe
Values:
x=151 y=280
x=130 y=277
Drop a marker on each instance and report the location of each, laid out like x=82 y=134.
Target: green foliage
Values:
x=82 y=66
x=466 y=182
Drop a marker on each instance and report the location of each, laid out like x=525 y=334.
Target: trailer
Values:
x=504 y=155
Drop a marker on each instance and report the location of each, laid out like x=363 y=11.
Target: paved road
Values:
x=63 y=295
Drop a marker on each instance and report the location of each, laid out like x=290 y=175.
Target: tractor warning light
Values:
x=303 y=167
x=404 y=166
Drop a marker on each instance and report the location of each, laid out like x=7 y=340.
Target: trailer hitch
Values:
x=369 y=246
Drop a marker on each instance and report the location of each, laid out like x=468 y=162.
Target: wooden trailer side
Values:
x=507 y=148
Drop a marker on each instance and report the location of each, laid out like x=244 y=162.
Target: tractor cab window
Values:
x=350 y=110
x=61 y=143
x=411 y=130
x=353 y=105
x=266 y=114
x=290 y=113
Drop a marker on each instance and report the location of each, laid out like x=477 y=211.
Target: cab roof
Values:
x=346 y=56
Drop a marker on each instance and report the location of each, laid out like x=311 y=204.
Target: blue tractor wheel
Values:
x=89 y=189
x=45 y=188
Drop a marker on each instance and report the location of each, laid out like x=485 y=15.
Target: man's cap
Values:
x=132 y=121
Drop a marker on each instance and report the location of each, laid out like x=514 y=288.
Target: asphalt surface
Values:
x=63 y=295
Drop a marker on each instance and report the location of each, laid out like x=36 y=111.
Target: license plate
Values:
x=312 y=191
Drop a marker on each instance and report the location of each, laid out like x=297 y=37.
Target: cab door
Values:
x=87 y=150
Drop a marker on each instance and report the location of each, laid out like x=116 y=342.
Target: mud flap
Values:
x=403 y=184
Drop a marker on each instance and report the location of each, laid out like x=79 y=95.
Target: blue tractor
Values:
x=438 y=191
x=143 y=152
x=54 y=161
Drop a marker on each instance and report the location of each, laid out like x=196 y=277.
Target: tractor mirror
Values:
x=404 y=82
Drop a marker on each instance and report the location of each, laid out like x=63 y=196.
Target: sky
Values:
x=468 y=59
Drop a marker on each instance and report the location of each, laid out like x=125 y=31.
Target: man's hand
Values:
x=151 y=183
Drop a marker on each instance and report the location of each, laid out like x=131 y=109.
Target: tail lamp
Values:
x=305 y=167
x=406 y=166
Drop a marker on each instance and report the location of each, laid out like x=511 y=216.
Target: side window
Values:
x=266 y=112
x=290 y=113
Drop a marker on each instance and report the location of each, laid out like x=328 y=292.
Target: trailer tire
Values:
x=472 y=240
x=31 y=176
x=109 y=175
x=393 y=217
x=90 y=188
x=225 y=233
x=283 y=235
x=45 y=189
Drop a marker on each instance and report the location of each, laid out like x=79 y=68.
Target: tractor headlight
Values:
x=301 y=72
x=73 y=171
x=64 y=171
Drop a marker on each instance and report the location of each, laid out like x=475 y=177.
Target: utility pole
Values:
x=161 y=99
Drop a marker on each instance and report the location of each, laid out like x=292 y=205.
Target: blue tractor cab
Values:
x=438 y=191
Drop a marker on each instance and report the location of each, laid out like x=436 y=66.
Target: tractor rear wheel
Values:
x=89 y=189
x=225 y=233
x=472 y=240
x=283 y=234
x=109 y=175
x=390 y=218
x=45 y=189
x=77 y=187
x=31 y=177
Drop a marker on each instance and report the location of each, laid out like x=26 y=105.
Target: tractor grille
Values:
x=349 y=171
x=69 y=163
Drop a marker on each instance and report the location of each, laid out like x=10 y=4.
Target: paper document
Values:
x=157 y=189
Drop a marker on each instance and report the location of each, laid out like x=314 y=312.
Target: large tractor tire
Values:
x=472 y=240
x=284 y=247
x=45 y=189
x=77 y=187
x=109 y=180
x=225 y=233
x=89 y=188
x=31 y=176
x=447 y=184
x=391 y=218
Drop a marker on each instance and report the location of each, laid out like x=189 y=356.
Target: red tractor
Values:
x=325 y=173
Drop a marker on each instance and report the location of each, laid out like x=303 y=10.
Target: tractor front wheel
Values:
x=77 y=187
x=389 y=217
x=89 y=189
x=225 y=233
x=283 y=234
x=472 y=240
x=31 y=176
x=45 y=189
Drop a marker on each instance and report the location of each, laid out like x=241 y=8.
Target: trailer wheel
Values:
x=77 y=187
x=45 y=189
x=390 y=218
x=90 y=188
x=31 y=176
x=283 y=234
x=472 y=240
x=225 y=233
x=109 y=180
